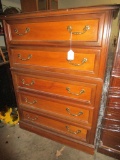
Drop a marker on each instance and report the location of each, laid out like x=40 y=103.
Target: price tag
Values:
x=70 y=55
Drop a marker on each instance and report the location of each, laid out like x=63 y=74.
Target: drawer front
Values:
x=111 y=122
x=77 y=91
x=64 y=128
x=86 y=61
x=113 y=104
x=113 y=109
x=115 y=82
x=84 y=28
x=111 y=139
x=54 y=108
x=114 y=100
x=55 y=31
x=112 y=118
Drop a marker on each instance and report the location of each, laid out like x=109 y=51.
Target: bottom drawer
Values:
x=111 y=139
x=60 y=127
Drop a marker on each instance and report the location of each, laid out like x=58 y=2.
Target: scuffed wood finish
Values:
x=110 y=137
x=57 y=98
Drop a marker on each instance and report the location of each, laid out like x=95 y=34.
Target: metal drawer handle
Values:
x=76 y=132
x=32 y=119
x=68 y=110
x=84 y=60
x=23 y=82
x=24 y=59
x=85 y=29
x=22 y=34
x=34 y=101
x=76 y=94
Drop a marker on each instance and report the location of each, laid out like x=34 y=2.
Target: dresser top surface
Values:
x=80 y=10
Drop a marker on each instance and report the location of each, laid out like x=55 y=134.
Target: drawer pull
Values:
x=76 y=94
x=23 y=82
x=68 y=110
x=76 y=132
x=34 y=101
x=22 y=34
x=78 y=64
x=32 y=119
x=85 y=29
x=24 y=59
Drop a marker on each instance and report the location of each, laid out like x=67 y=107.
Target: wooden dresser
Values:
x=110 y=136
x=59 y=93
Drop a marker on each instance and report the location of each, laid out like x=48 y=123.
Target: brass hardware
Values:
x=23 y=82
x=24 y=59
x=22 y=34
x=68 y=110
x=78 y=64
x=34 y=101
x=32 y=119
x=85 y=29
x=76 y=94
x=76 y=132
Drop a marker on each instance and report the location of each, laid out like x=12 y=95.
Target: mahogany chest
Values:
x=59 y=92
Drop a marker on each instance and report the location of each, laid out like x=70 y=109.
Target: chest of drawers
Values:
x=57 y=97
x=110 y=134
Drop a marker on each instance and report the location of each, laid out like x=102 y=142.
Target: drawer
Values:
x=111 y=139
x=113 y=104
x=56 y=126
x=114 y=99
x=55 y=108
x=76 y=91
x=115 y=82
x=114 y=109
x=86 y=61
x=84 y=28
x=111 y=122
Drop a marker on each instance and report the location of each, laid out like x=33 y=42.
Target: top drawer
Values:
x=85 y=30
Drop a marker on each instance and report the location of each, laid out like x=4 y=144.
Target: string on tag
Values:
x=70 y=40
x=70 y=54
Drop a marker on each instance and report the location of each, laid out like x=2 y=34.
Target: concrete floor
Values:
x=18 y=144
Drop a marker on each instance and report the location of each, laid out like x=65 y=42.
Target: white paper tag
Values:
x=70 y=55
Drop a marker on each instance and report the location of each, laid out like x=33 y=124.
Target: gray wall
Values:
x=13 y=3
x=78 y=3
